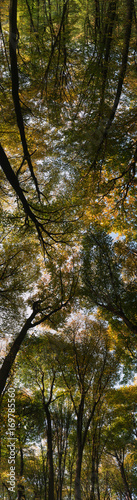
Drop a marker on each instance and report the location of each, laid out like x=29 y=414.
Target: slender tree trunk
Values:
x=78 y=473
x=20 y=486
x=123 y=475
x=50 y=455
x=79 y=449
x=60 y=476
x=13 y=180
x=44 y=477
x=81 y=439
x=13 y=40
x=9 y=359
x=128 y=493
x=49 y=439
x=95 y=465
x=98 y=490
x=93 y=473
x=109 y=30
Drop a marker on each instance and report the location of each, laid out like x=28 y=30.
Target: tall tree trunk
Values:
x=13 y=180
x=79 y=449
x=78 y=473
x=93 y=472
x=123 y=475
x=9 y=359
x=50 y=455
x=127 y=490
x=20 y=486
x=49 y=439
x=13 y=40
x=98 y=490
x=81 y=439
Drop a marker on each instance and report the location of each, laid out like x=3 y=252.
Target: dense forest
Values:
x=68 y=287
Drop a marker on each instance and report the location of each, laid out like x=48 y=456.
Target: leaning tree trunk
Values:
x=9 y=359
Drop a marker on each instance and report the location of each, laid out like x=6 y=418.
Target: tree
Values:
x=121 y=433
x=43 y=308
x=68 y=181
x=53 y=408
x=89 y=371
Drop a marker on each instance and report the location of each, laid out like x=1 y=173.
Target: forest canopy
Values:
x=68 y=252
